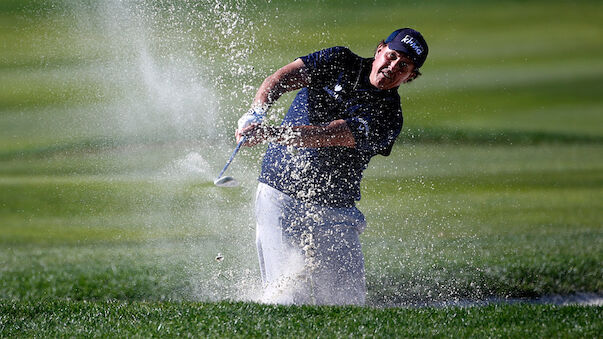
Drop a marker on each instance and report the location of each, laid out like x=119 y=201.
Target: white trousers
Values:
x=308 y=254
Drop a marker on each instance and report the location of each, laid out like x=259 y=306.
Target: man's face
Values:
x=390 y=68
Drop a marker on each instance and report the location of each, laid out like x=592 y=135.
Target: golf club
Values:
x=229 y=181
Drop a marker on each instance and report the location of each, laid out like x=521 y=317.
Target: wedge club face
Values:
x=229 y=181
x=226 y=182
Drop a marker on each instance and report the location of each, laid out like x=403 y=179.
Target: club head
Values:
x=226 y=182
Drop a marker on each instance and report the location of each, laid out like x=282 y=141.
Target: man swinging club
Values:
x=347 y=111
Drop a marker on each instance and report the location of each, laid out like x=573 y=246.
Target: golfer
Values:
x=347 y=111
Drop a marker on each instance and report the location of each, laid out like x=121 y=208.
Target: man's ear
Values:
x=379 y=48
x=415 y=74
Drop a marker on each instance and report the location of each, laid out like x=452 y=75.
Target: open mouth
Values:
x=387 y=74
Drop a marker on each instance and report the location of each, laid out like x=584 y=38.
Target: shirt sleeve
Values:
x=375 y=128
x=325 y=63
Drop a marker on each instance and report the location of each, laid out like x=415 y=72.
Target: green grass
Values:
x=109 y=222
x=85 y=319
x=445 y=223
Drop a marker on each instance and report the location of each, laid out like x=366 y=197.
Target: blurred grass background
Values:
x=494 y=189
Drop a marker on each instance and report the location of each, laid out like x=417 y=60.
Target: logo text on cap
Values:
x=412 y=43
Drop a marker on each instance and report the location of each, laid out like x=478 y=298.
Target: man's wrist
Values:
x=259 y=110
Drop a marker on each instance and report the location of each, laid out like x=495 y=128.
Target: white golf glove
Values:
x=254 y=116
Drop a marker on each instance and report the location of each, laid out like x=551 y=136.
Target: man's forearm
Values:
x=336 y=133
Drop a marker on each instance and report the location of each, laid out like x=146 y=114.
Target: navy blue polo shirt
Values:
x=338 y=88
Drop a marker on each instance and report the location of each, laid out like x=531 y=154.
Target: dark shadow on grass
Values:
x=429 y=135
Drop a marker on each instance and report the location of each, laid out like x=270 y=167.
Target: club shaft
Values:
x=236 y=150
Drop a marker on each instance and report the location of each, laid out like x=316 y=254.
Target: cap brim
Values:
x=402 y=49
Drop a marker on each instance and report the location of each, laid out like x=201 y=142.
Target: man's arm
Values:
x=336 y=133
x=290 y=77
